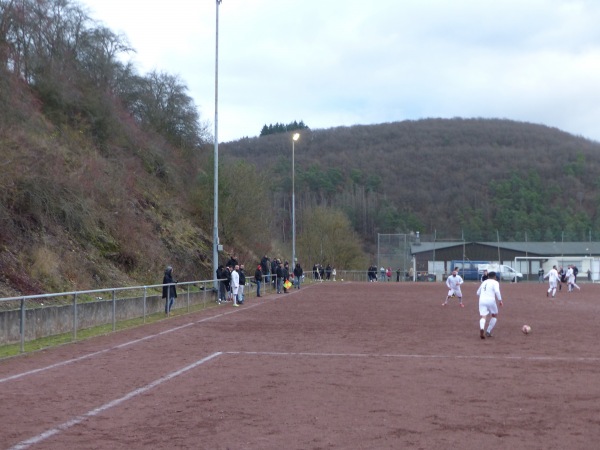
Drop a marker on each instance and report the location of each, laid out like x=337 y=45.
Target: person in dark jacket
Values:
x=227 y=275
x=169 y=291
x=297 y=275
x=265 y=267
x=242 y=274
x=279 y=277
x=485 y=275
x=286 y=275
x=274 y=267
x=258 y=279
x=328 y=272
x=222 y=288
x=232 y=262
x=562 y=277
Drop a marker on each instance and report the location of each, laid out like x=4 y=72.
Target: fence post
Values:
x=114 y=309
x=187 y=286
x=75 y=316
x=145 y=300
x=22 y=325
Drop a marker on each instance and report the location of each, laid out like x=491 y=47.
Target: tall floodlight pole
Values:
x=216 y=156
x=295 y=137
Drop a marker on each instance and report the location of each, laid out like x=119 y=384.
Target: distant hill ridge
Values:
x=454 y=176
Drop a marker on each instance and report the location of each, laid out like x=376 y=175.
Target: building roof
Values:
x=527 y=248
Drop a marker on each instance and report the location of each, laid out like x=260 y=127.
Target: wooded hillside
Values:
x=107 y=174
x=470 y=177
x=96 y=158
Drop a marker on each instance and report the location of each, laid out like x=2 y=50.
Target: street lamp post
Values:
x=216 y=158
x=295 y=137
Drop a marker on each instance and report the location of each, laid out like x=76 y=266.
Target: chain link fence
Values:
x=393 y=254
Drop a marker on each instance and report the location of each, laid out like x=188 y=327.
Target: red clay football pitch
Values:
x=330 y=366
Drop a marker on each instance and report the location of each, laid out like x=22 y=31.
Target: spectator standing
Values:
x=297 y=275
x=333 y=273
x=388 y=273
x=372 y=273
x=227 y=274
x=222 y=285
x=286 y=275
x=541 y=275
x=241 y=292
x=258 y=279
x=232 y=261
x=382 y=274
x=169 y=292
x=235 y=285
x=279 y=278
x=265 y=265
x=274 y=267
x=328 y=272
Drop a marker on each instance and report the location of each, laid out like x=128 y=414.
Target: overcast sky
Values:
x=348 y=62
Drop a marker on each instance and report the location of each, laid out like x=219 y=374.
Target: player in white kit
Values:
x=571 y=279
x=553 y=281
x=488 y=292
x=453 y=282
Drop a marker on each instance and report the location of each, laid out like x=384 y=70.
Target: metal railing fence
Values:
x=30 y=317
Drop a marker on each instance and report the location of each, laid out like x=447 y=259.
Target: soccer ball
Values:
x=526 y=329
x=342 y=279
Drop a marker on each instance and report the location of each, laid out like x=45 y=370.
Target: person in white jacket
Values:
x=235 y=285
x=453 y=282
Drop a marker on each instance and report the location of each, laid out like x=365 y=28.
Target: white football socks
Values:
x=492 y=324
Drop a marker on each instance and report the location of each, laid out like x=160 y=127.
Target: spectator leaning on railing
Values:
x=169 y=292
x=258 y=279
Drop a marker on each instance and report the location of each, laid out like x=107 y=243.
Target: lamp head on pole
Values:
x=296 y=136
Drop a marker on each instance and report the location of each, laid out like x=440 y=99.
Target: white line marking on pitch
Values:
x=125 y=344
x=390 y=355
x=94 y=412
